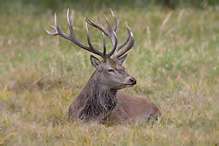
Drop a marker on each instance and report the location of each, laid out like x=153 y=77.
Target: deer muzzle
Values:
x=131 y=82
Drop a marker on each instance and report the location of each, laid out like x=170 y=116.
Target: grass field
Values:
x=174 y=61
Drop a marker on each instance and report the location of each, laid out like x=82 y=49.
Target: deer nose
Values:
x=133 y=80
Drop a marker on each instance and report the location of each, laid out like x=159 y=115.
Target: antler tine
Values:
x=108 y=24
x=112 y=36
x=117 y=54
x=58 y=30
x=72 y=36
x=110 y=32
x=104 y=45
x=53 y=27
x=50 y=33
x=114 y=45
x=125 y=42
x=115 y=21
x=70 y=24
x=98 y=26
x=130 y=45
x=99 y=20
x=91 y=46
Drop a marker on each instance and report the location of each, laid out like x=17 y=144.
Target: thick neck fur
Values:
x=96 y=101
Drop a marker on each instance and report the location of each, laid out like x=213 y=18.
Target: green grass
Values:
x=174 y=61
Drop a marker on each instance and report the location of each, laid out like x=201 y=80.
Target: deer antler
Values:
x=110 y=33
x=72 y=37
x=118 y=54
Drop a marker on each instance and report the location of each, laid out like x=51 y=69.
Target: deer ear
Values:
x=122 y=59
x=95 y=62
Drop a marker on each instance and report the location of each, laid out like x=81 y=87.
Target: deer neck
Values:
x=97 y=101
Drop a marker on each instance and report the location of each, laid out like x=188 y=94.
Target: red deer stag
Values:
x=99 y=99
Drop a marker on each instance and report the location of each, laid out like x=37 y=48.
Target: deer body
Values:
x=100 y=100
x=128 y=108
x=133 y=109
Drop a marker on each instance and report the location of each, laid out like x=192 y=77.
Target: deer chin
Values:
x=129 y=85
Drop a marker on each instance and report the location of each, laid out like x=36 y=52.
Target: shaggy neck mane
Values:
x=96 y=101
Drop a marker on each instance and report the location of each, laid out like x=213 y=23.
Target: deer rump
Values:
x=100 y=100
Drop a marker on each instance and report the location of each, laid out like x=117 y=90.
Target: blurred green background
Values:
x=114 y=4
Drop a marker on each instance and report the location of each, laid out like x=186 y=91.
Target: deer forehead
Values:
x=111 y=63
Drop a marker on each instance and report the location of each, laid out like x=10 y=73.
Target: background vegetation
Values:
x=174 y=61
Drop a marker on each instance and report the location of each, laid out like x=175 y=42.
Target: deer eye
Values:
x=111 y=70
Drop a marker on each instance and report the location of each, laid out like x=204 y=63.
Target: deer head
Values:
x=110 y=72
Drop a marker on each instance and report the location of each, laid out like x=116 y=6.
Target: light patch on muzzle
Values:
x=129 y=85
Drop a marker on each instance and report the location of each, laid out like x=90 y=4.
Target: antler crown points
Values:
x=111 y=33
